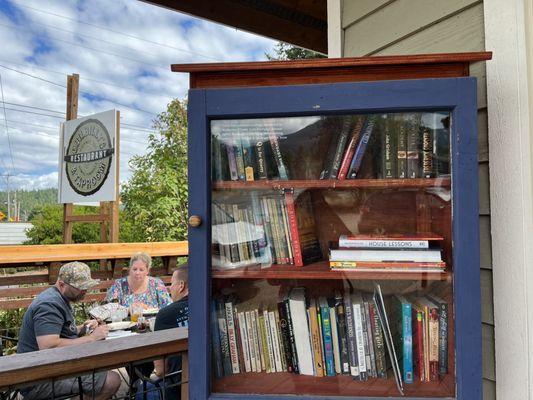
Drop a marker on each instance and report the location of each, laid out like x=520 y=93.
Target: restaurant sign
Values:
x=87 y=159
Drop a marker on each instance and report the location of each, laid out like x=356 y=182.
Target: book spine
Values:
x=232 y=338
x=407 y=335
x=285 y=336
x=239 y=158
x=261 y=160
x=413 y=139
x=286 y=229
x=224 y=341
x=270 y=345
x=350 y=333
x=239 y=340
x=280 y=341
x=402 y=149
x=433 y=345
x=245 y=349
x=275 y=341
x=274 y=226
x=294 y=355
x=350 y=149
x=315 y=339
x=443 y=338
x=327 y=340
x=267 y=223
x=361 y=357
x=357 y=160
x=321 y=338
x=248 y=157
x=278 y=158
x=346 y=241
x=427 y=153
x=335 y=340
x=251 y=345
x=293 y=224
x=366 y=342
x=232 y=161
x=343 y=340
x=418 y=344
x=379 y=345
x=369 y=333
x=264 y=341
x=260 y=340
x=388 y=151
x=255 y=338
x=216 y=346
x=341 y=145
x=217 y=160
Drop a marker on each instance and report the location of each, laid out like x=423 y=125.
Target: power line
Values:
x=33 y=107
x=85 y=78
x=114 y=31
x=7 y=129
x=81 y=91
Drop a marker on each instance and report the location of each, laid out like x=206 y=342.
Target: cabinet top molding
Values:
x=329 y=70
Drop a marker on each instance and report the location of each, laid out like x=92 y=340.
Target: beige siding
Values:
x=381 y=27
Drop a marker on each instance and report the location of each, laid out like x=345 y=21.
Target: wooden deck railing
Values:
x=22 y=369
x=41 y=265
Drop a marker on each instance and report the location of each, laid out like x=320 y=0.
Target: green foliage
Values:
x=285 y=51
x=10 y=322
x=48 y=226
x=155 y=197
x=29 y=200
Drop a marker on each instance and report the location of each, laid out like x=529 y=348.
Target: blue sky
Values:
x=122 y=50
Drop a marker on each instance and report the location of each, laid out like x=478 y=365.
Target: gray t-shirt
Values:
x=49 y=314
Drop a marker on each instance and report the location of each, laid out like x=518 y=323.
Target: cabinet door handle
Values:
x=195 y=221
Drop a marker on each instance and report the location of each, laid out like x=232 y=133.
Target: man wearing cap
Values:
x=49 y=322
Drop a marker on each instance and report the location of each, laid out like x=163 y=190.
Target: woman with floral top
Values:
x=138 y=287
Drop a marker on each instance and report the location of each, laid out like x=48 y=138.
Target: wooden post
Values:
x=73 y=82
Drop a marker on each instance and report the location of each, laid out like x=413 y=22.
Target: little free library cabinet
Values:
x=333 y=236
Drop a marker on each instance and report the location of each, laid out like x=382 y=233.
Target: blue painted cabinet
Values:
x=338 y=254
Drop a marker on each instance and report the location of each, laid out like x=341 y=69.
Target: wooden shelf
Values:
x=334 y=184
x=321 y=270
x=340 y=385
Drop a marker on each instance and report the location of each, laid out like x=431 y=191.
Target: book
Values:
x=276 y=152
x=427 y=153
x=388 y=149
x=380 y=242
x=270 y=345
x=215 y=342
x=360 y=150
x=418 y=343
x=239 y=158
x=248 y=159
x=261 y=160
x=224 y=341
x=285 y=336
x=379 y=344
x=232 y=337
x=401 y=329
x=245 y=346
x=413 y=145
x=232 y=160
x=301 y=332
x=443 y=332
x=401 y=145
x=384 y=323
x=335 y=338
x=342 y=330
x=428 y=256
x=327 y=337
x=350 y=149
x=315 y=338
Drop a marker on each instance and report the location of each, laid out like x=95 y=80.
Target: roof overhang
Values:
x=299 y=22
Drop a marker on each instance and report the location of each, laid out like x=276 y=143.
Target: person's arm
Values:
x=160 y=367
x=53 y=340
x=113 y=292
x=163 y=296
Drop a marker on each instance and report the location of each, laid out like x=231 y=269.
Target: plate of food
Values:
x=104 y=311
x=150 y=311
x=121 y=325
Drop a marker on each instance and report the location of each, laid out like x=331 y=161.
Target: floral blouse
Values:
x=155 y=296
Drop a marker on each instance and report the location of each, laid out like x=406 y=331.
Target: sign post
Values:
x=89 y=166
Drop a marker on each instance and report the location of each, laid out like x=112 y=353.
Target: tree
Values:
x=285 y=51
x=155 y=197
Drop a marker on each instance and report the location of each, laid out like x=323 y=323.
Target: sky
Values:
x=122 y=50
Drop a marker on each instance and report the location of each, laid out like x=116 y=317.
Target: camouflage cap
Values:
x=77 y=274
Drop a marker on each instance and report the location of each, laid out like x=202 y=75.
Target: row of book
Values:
x=408 y=253
x=277 y=229
x=400 y=145
x=351 y=334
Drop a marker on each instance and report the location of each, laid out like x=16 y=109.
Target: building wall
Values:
x=391 y=27
x=12 y=233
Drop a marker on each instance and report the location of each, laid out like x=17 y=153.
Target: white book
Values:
x=275 y=341
x=335 y=340
x=382 y=243
x=269 y=342
x=301 y=331
x=260 y=341
x=244 y=341
x=358 y=325
x=232 y=338
x=251 y=345
x=385 y=255
x=255 y=337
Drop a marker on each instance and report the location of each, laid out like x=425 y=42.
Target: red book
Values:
x=350 y=150
x=293 y=225
x=418 y=343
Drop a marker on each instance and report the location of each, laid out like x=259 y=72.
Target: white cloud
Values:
x=136 y=74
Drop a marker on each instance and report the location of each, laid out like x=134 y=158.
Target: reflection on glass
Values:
x=332 y=255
